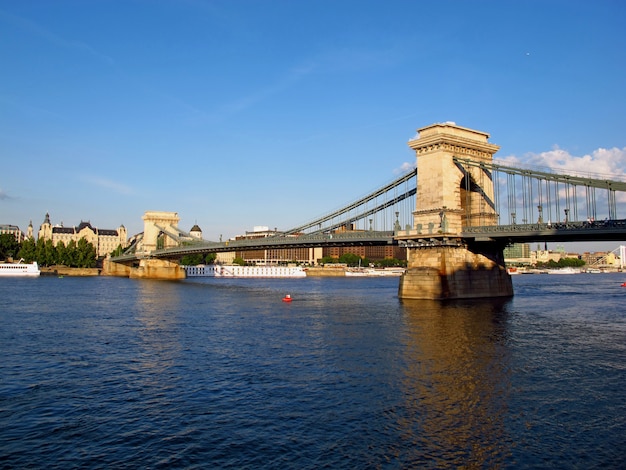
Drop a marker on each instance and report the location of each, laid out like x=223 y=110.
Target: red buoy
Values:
x=287 y=298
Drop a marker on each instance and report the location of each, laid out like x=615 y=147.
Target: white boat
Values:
x=19 y=269
x=564 y=271
x=218 y=270
x=372 y=272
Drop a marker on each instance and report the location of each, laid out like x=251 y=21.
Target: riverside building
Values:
x=13 y=230
x=104 y=240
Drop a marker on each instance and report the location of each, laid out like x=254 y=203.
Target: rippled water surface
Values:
x=218 y=373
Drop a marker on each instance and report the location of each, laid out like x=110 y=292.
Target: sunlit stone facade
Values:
x=104 y=240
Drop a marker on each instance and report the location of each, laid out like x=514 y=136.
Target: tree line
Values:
x=353 y=260
x=81 y=254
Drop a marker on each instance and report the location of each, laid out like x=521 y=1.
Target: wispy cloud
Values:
x=105 y=183
x=4 y=195
x=291 y=77
x=53 y=38
x=331 y=61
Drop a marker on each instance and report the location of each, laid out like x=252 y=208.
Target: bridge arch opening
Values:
x=469 y=193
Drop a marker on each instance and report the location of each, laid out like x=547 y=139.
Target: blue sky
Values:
x=237 y=113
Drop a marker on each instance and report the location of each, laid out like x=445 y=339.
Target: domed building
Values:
x=196 y=232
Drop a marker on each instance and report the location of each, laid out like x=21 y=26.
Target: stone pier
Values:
x=441 y=265
x=443 y=271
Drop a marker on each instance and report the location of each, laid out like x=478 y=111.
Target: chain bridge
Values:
x=454 y=212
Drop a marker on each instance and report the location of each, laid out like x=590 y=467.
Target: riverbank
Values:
x=67 y=271
x=326 y=272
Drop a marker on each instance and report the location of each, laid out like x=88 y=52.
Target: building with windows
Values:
x=13 y=230
x=104 y=240
x=275 y=256
x=372 y=253
x=517 y=254
x=311 y=256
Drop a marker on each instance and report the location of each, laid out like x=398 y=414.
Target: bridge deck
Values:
x=614 y=230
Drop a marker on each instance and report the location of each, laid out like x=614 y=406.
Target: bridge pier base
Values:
x=147 y=269
x=158 y=269
x=455 y=271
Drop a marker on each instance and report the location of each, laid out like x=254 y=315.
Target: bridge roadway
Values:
x=365 y=238
x=611 y=230
x=614 y=230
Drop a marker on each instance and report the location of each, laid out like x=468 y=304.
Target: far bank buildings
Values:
x=104 y=240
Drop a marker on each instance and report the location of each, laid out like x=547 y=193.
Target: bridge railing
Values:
x=613 y=230
x=368 y=237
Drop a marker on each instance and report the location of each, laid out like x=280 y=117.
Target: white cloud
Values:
x=601 y=163
x=405 y=167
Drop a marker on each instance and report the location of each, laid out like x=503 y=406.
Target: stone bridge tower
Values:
x=160 y=230
x=441 y=265
x=156 y=226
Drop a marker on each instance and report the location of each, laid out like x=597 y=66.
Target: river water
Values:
x=220 y=373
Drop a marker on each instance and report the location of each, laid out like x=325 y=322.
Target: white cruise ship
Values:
x=217 y=270
x=19 y=269
x=372 y=272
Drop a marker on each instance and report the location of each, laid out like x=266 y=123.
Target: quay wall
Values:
x=67 y=271
x=325 y=272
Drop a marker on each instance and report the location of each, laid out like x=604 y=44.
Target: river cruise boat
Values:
x=218 y=270
x=19 y=269
x=373 y=272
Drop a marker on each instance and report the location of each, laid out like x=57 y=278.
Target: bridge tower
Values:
x=159 y=231
x=441 y=265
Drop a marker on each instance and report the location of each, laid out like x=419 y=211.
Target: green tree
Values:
x=45 y=253
x=28 y=251
x=85 y=254
x=71 y=256
x=391 y=262
x=9 y=246
x=571 y=262
x=118 y=251
x=192 y=260
x=239 y=261
x=328 y=260
x=351 y=259
x=62 y=254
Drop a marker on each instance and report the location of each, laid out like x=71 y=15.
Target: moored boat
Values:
x=373 y=272
x=564 y=271
x=218 y=270
x=19 y=269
